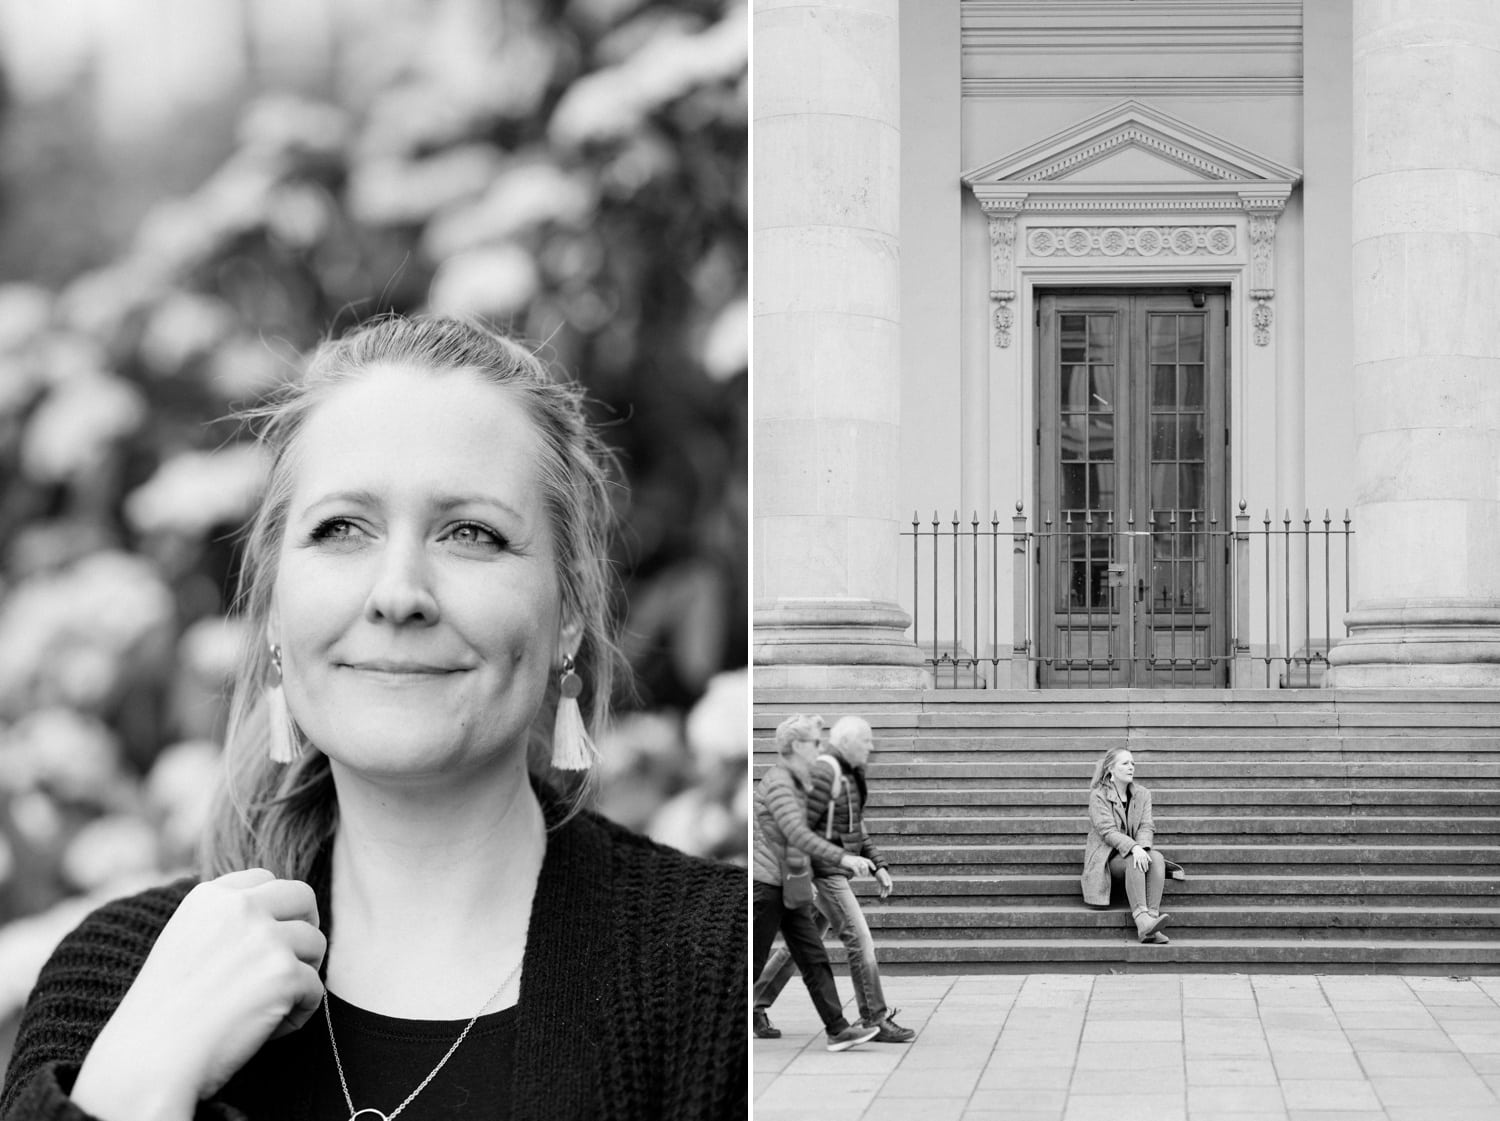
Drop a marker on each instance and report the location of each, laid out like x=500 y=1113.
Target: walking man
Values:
x=835 y=812
x=780 y=823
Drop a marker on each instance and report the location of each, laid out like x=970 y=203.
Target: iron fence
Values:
x=1181 y=602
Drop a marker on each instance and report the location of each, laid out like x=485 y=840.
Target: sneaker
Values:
x=764 y=1029
x=1156 y=938
x=888 y=1031
x=852 y=1036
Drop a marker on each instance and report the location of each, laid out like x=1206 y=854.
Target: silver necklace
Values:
x=370 y=1113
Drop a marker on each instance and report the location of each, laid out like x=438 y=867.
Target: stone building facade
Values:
x=1151 y=297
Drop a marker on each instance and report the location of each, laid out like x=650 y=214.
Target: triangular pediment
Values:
x=1134 y=146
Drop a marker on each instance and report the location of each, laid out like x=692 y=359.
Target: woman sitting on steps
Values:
x=1119 y=845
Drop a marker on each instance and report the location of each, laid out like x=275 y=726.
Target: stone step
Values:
x=1239 y=888
x=1182 y=829
x=1416 y=956
x=1341 y=859
x=1078 y=921
x=932 y=801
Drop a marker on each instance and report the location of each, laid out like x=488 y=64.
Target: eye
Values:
x=335 y=530
x=474 y=535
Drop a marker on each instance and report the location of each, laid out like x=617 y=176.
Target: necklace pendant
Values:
x=371 y=1114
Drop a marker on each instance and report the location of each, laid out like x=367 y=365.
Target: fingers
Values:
x=305 y=1004
x=245 y=878
x=305 y=941
x=286 y=900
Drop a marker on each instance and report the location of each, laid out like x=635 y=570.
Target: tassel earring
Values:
x=572 y=750
x=283 y=737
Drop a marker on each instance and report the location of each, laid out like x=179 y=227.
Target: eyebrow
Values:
x=443 y=502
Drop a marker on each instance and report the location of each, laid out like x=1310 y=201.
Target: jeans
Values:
x=806 y=946
x=1143 y=889
x=838 y=911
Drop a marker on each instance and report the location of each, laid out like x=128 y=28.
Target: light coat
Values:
x=781 y=820
x=1112 y=831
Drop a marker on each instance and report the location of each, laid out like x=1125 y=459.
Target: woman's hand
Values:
x=1141 y=858
x=235 y=965
x=857 y=865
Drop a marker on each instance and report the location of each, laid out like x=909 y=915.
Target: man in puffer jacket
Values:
x=835 y=811
x=781 y=821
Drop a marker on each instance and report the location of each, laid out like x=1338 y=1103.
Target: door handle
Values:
x=1140 y=590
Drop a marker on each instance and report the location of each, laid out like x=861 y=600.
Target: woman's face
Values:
x=1124 y=768
x=417 y=602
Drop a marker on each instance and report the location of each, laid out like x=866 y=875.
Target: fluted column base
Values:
x=1437 y=645
x=835 y=644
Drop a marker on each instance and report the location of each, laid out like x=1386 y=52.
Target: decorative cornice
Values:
x=1230 y=85
x=1134 y=123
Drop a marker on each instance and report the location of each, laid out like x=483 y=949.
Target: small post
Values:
x=1020 y=662
x=1243 y=667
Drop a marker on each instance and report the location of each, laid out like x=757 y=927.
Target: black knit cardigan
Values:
x=632 y=1004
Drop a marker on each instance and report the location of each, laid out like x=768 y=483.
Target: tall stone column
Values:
x=826 y=378
x=1426 y=220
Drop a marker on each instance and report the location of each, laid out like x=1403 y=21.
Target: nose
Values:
x=402 y=592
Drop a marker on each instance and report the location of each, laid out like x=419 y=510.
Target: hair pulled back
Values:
x=279 y=817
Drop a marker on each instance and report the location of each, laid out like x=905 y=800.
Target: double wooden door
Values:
x=1132 y=548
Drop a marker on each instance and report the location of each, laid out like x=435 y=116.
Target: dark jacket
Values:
x=847 y=828
x=632 y=998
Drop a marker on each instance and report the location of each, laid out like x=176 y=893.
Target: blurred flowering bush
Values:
x=574 y=172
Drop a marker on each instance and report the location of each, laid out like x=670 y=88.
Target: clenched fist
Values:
x=236 y=965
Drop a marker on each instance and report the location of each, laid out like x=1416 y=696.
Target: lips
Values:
x=426 y=669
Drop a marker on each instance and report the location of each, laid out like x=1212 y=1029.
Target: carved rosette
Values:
x=1131 y=241
x=1002 y=222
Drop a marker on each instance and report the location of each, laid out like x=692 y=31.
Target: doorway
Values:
x=1133 y=453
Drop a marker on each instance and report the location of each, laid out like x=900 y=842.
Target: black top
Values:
x=384 y=1059
x=632 y=1004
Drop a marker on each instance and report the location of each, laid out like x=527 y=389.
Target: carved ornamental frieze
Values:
x=1052 y=206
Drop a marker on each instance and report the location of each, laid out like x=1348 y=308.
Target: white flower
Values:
x=71 y=755
x=692 y=822
x=210 y=648
x=394 y=190
x=718 y=727
x=519 y=200
x=25 y=315
x=300 y=215
x=183 y=327
x=195 y=491
x=243 y=369
x=108 y=849
x=726 y=347
x=610 y=103
x=101 y=302
x=111 y=602
x=74 y=427
x=498 y=282
x=181 y=789
x=282 y=123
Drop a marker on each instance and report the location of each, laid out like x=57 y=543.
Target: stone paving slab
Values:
x=1163 y=1047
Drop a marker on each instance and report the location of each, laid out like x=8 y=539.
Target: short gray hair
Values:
x=848 y=728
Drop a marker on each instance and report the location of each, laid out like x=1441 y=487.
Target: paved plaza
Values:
x=1149 y=1047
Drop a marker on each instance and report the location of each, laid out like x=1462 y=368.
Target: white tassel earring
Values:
x=283 y=738
x=572 y=750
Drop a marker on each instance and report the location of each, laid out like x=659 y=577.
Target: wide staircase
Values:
x=1321 y=830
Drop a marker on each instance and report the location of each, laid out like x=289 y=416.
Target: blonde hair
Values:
x=279 y=817
x=1105 y=765
x=793 y=729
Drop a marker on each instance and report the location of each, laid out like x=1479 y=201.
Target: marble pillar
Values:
x=1426 y=228
x=826 y=320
